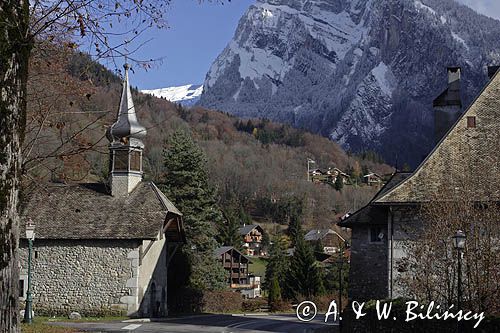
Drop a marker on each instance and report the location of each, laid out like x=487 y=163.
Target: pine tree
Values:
x=277 y=265
x=339 y=183
x=186 y=183
x=274 y=297
x=294 y=211
x=227 y=230
x=305 y=277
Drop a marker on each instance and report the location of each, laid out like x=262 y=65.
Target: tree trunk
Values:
x=14 y=54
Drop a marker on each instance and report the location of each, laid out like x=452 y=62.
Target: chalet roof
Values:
x=224 y=249
x=317 y=234
x=247 y=228
x=372 y=174
x=465 y=155
x=372 y=214
x=87 y=211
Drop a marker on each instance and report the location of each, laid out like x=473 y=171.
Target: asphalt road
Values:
x=209 y=324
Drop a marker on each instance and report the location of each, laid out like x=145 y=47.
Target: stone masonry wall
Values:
x=93 y=277
x=406 y=225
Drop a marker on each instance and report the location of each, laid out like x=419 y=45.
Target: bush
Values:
x=281 y=306
x=189 y=300
x=253 y=305
x=222 y=301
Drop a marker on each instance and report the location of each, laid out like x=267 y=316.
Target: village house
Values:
x=328 y=176
x=333 y=173
x=103 y=249
x=236 y=265
x=252 y=239
x=381 y=228
x=372 y=179
x=318 y=176
x=330 y=240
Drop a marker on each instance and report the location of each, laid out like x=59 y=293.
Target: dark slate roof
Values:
x=87 y=211
x=317 y=234
x=371 y=214
x=247 y=228
x=464 y=155
x=223 y=249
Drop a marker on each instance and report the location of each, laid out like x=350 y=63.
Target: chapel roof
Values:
x=87 y=211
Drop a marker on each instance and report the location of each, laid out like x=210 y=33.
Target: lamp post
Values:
x=30 y=236
x=341 y=266
x=459 y=245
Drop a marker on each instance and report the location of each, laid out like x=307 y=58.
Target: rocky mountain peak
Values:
x=362 y=72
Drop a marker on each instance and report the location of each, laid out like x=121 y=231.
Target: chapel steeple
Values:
x=126 y=146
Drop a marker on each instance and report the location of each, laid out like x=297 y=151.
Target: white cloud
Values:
x=487 y=7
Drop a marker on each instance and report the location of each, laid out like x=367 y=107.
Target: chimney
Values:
x=492 y=70
x=448 y=105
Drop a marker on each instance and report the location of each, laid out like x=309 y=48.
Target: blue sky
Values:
x=199 y=32
x=196 y=35
x=486 y=7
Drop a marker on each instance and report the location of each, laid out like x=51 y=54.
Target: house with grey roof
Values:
x=252 y=239
x=468 y=147
x=103 y=249
x=330 y=240
x=236 y=265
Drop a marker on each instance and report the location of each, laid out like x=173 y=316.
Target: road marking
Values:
x=131 y=327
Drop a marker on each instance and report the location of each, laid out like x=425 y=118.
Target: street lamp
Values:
x=30 y=236
x=341 y=265
x=459 y=245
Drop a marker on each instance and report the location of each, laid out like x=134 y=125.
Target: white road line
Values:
x=131 y=327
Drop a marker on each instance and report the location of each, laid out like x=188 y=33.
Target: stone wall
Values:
x=406 y=225
x=93 y=277
x=368 y=268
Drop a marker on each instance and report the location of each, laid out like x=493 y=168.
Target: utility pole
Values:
x=309 y=161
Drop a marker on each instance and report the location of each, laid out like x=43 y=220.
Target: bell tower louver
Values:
x=126 y=146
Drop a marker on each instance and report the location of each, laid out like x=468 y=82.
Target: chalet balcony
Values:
x=240 y=275
x=244 y=286
x=234 y=265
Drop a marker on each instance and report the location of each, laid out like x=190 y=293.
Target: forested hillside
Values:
x=257 y=167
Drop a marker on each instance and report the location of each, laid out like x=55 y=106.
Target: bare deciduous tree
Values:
x=22 y=24
x=472 y=207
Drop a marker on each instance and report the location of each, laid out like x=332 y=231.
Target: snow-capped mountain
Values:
x=363 y=72
x=186 y=95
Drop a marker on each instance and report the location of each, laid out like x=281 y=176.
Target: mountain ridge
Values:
x=361 y=72
x=186 y=95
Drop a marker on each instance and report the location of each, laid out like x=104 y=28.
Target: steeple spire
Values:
x=126 y=145
x=126 y=128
